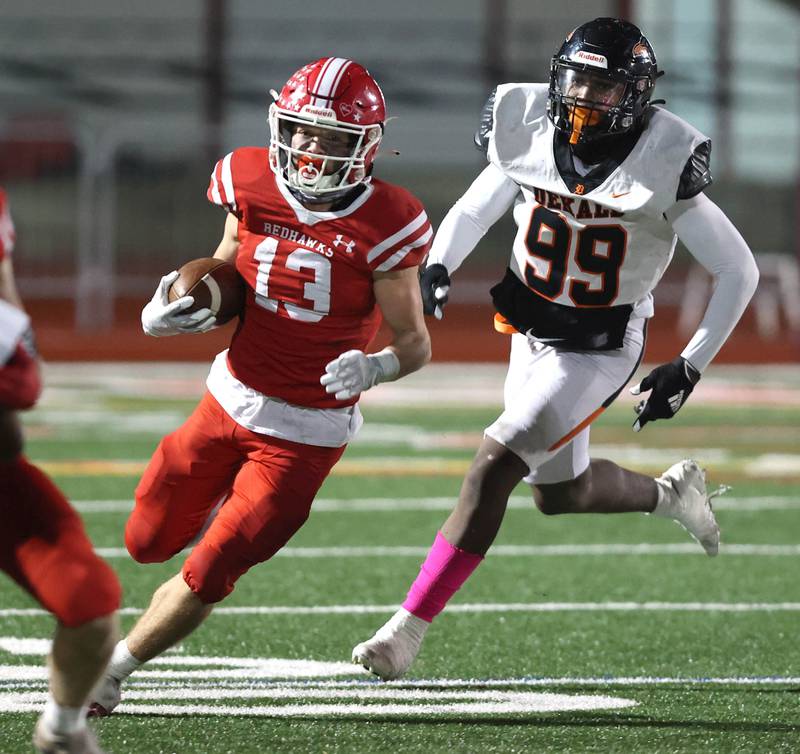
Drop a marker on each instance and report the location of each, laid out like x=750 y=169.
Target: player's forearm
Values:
x=412 y=350
x=714 y=241
x=8 y=286
x=483 y=204
x=732 y=293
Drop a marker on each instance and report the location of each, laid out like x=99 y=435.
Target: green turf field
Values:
x=605 y=633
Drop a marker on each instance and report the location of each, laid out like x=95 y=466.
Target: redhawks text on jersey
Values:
x=309 y=274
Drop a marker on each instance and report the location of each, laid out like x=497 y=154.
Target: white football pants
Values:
x=552 y=396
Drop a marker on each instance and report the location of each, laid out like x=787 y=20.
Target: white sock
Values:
x=663 y=502
x=63 y=720
x=122 y=662
x=410 y=623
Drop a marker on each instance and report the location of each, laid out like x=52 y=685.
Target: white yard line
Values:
x=474 y=607
x=391 y=504
x=521 y=703
x=514 y=551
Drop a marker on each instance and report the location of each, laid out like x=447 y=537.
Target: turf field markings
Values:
x=468 y=607
x=192 y=686
x=34 y=678
x=512 y=703
x=499 y=551
x=424 y=466
x=395 y=504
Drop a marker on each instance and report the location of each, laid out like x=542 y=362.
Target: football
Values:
x=214 y=284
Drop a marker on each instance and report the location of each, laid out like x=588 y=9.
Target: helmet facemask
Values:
x=591 y=104
x=317 y=157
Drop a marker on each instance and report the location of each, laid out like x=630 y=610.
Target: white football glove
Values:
x=354 y=372
x=160 y=317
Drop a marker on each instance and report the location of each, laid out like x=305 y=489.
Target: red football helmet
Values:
x=326 y=125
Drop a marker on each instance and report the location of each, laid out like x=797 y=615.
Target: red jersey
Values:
x=7 y=235
x=309 y=274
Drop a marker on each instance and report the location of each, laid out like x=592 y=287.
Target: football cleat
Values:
x=687 y=501
x=46 y=741
x=390 y=652
x=104 y=697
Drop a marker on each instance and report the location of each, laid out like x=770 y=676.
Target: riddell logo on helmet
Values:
x=318 y=112
x=590 y=58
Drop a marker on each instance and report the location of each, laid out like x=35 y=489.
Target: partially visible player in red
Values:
x=44 y=548
x=326 y=250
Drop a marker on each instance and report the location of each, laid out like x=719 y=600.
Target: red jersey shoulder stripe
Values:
x=220 y=190
x=396 y=239
x=399 y=255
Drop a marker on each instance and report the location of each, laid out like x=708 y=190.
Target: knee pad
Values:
x=145 y=543
x=212 y=574
x=86 y=589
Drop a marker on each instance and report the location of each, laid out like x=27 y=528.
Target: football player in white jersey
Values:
x=602 y=184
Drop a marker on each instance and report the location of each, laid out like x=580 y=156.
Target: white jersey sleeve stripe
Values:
x=227 y=182
x=400 y=254
x=401 y=234
x=215 y=196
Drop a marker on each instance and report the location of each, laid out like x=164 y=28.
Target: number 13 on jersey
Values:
x=299 y=281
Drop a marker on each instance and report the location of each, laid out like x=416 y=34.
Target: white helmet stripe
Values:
x=318 y=102
x=339 y=77
x=328 y=80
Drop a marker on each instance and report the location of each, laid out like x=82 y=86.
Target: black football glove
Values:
x=434 y=282
x=671 y=385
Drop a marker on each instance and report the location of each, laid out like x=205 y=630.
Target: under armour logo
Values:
x=676 y=401
x=348 y=245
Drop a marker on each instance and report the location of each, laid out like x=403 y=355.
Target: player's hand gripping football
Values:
x=670 y=386
x=354 y=372
x=160 y=317
x=434 y=283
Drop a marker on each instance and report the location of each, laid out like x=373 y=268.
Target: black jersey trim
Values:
x=562 y=152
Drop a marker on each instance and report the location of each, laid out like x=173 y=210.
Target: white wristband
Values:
x=387 y=365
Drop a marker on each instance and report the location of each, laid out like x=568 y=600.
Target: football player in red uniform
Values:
x=44 y=548
x=325 y=250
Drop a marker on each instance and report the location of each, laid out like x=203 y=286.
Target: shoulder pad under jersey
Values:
x=696 y=173
x=486 y=123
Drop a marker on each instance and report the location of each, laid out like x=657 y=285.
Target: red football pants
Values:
x=44 y=548
x=268 y=485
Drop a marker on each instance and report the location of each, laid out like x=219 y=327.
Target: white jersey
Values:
x=598 y=240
